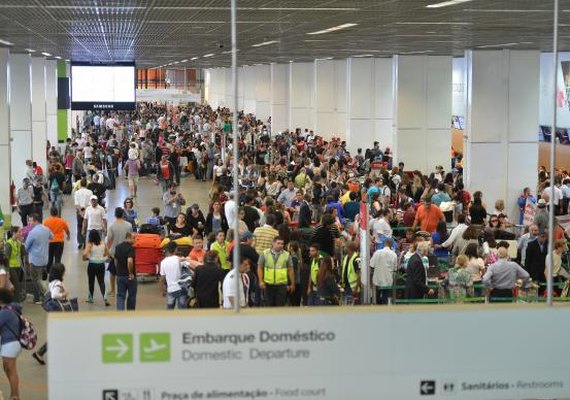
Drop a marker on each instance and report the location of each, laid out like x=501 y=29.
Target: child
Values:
x=155 y=219
x=14 y=250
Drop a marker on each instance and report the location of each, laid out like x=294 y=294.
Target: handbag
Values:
x=54 y=305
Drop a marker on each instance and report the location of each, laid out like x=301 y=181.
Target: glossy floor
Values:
x=34 y=376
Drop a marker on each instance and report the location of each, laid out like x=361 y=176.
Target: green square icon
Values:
x=117 y=348
x=154 y=347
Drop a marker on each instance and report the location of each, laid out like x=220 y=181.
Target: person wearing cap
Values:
x=428 y=216
x=25 y=200
x=95 y=218
x=541 y=215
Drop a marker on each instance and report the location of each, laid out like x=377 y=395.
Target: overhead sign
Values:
x=338 y=353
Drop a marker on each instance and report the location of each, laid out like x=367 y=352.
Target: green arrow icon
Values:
x=117 y=348
x=154 y=347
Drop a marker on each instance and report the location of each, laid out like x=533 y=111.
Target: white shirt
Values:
x=170 y=269
x=381 y=227
x=83 y=198
x=95 y=217
x=384 y=262
x=231 y=211
x=456 y=233
x=109 y=123
x=557 y=194
x=229 y=289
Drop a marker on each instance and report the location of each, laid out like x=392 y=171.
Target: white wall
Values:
x=279 y=102
x=330 y=98
x=302 y=95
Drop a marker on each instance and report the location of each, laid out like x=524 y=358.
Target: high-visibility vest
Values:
x=315 y=269
x=275 y=273
x=351 y=274
x=223 y=256
x=15 y=260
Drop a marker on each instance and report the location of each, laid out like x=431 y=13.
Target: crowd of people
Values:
x=299 y=206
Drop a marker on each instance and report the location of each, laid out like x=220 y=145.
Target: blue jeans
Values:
x=180 y=298
x=126 y=290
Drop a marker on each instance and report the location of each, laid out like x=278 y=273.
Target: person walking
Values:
x=96 y=253
x=133 y=167
x=14 y=251
x=25 y=201
x=57 y=292
x=37 y=248
x=82 y=199
x=173 y=203
x=95 y=218
x=117 y=234
x=124 y=257
x=276 y=274
x=60 y=230
x=10 y=339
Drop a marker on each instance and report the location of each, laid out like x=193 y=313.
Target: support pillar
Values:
x=51 y=101
x=262 y=91
x=279 y=102
x=423 y=111
x=302 y=96
x=330 y=104
x=5 y=154
x=39 y=115
x=20 y=114
x=501 y=148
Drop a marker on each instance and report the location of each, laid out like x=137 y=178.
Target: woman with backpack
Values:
x=10 y=327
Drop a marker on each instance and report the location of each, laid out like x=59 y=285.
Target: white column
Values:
x=330 y=101
x=262 y=92
x=501 y=148
x=422 y=115
x=302 y=96
x=249 y=90
x=51 y=101
x=5 y=178
x=39 y=127
x=240 y=88
x=228 y=88
x=279 y=97
x=20 y=114
x=384 y=102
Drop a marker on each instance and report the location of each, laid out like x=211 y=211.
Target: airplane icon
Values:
x=154 y=347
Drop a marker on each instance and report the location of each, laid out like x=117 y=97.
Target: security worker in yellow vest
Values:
x=316 y=257
x=276 y=274
x=14 y=250
x=350 y=272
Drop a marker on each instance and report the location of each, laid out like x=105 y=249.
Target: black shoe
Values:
x=39 y=358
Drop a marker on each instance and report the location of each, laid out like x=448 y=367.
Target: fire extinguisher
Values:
x=12 y=194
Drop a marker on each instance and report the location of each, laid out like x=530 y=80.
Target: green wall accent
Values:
x=62 y=125
x=61 y=69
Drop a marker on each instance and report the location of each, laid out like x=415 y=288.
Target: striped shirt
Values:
x=263 y=237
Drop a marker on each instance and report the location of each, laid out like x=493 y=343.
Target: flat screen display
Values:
x=103 y=86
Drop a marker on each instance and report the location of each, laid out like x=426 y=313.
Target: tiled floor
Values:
x=33 y=376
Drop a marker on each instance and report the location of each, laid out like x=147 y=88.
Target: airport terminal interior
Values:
x=391 y=155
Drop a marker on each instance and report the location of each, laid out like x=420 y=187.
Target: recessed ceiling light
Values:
x=58 y=57
x=46 y=54
x=194 y=58
x=265 y=43
x=363 y=55
x=324 y=59
x=500 y=45
x=333 y=29
x=184 y=61
x=7 y=43
x=208 y=55
x=30 y=50
x=447 y=3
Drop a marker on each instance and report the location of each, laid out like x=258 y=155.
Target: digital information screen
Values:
x=103 y=87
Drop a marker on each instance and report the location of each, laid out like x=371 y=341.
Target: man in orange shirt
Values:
x=428 y=215
x=196 y=256
x=58 y=226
